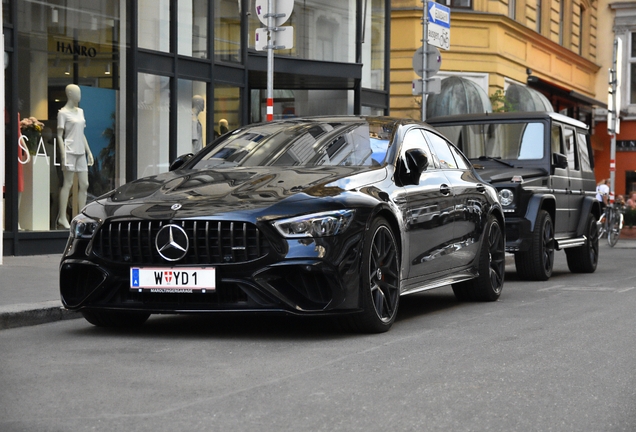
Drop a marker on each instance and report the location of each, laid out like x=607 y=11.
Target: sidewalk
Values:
x=29 y=287
x=29 y=291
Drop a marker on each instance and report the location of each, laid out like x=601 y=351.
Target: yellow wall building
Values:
x=550 y=44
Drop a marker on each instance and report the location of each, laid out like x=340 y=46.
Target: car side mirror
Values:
x=560 y=160
x=180 y=161
x=416 y=162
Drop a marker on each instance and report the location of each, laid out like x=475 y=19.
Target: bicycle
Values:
x=611 y=223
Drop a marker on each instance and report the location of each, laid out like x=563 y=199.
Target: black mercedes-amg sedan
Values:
x=311 y=216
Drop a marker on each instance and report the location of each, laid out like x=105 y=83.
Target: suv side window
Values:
x=556 y=138
x=570 y=148
x=584 y=155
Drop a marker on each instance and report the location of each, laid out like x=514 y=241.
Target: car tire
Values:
x=117 y=319
x=584 y=259
x=538 y=262
x=380 y=280
x=491 y=266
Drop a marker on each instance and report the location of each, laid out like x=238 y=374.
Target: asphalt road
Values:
x=555 y=356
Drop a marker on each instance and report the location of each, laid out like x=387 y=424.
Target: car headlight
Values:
x=506 y=197
x=83 y=226
x=316 y=224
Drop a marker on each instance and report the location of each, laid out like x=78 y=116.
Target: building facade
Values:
x=547 y=45
x=160 y=78
x=618 y=20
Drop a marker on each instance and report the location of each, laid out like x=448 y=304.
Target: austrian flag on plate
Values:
x=187 y=279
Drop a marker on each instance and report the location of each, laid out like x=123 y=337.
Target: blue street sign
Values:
x=439 y=14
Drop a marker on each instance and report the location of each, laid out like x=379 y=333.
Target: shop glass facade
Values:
x=60 y=45
x=323 y=30
x=144 y=81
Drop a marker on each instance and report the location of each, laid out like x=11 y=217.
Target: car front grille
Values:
x=211 y=242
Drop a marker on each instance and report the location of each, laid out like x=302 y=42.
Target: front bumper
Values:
x=312 y=277
x=518 y=234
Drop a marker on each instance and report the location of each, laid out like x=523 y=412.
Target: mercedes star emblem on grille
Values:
x=172 y=242
x=175 y=207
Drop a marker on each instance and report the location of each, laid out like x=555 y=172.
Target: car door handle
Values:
x=445 y=189
x=481 y=188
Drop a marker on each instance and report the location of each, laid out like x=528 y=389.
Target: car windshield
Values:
x=508 y=141
x=302 y=143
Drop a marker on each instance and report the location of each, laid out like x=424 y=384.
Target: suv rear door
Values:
x=560 y=183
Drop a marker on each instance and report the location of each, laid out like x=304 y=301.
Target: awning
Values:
x=563 y=92
x=523 y=98
x=458 y=96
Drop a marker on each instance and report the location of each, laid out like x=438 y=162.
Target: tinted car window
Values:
x=556 y=139
x=518 y=140
x=531 y=147
x=462 y=163
x=584 y=156
x=282 y=144
x=415 y=139
x=570 y=148
x=442 y=150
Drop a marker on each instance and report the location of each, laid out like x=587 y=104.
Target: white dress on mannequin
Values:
x=76 y=155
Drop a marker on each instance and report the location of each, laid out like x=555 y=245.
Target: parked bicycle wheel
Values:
x=614 y=229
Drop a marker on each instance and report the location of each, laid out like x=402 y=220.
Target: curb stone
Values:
x=20 y=315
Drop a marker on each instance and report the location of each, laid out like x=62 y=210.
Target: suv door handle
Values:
x=445 y=189
x=481 y=188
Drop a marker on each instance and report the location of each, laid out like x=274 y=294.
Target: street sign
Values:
x=614 y=96
x=282 y=38
x=438 y=14
x=438 y=36
x=434 y=86
x=282 y=9
x=438 y=25
x=433 y=61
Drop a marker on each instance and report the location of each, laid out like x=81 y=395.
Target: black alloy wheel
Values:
x=537 y=263
x=584 y=259
x=380 y=284
x=492 y=268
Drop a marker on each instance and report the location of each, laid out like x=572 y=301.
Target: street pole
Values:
x=2 y=145
x=615 y=111
x=424 y=56
x=270 y=61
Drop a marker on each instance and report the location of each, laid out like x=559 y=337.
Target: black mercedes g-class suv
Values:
x=542 y=166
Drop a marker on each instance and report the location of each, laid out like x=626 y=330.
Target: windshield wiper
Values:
x=483 y=158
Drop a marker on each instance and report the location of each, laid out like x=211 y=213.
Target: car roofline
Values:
x=508 y=116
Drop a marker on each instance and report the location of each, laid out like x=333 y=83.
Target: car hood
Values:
x=197 y=193
x=504 y=175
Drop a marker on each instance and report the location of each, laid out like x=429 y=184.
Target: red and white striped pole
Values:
x=270 y=109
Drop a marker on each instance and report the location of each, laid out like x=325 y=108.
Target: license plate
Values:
x=173 y=280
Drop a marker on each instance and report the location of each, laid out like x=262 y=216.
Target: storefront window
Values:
x=193 y=28
x=153 y=113
x=6 y=12
x=154 y=25
x=301 y=103
x=373 y=46
x=68 y=84
x=226 y=108
x=322 y=31
x=191 y=109
x=227 y=31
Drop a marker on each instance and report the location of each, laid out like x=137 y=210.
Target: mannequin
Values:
x=223 y=127
x=198 y=105
x=76 y=155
